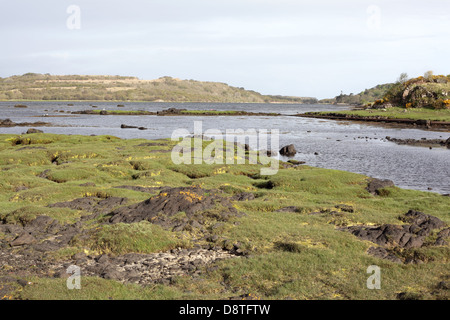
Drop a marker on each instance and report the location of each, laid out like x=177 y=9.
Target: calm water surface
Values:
x=355 y=147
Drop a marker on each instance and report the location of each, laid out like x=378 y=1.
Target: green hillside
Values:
x=428 y=91
x=363 y=98
x=33 y=86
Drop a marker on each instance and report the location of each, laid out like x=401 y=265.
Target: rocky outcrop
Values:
x=32 y=130
x=124 y=126
x=191 y=200
x=429 y=124
x=144 y=269
x=376 y=185
x=424 y=142
x=92 y=204
x=9 y=123
x=390 y=237
x=33 y=240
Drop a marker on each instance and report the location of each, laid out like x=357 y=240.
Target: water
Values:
x=355 y=147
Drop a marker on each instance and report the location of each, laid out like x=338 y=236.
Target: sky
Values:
x=296 y=48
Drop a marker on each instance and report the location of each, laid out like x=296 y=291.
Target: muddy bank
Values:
x=422 y=124
x=114 y=113
x=424 y=142
x=185 y=112
x=5 y=123
x=175 y=112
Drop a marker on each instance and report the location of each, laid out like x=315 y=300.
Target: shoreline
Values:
x=415 y=123
x=175 y=112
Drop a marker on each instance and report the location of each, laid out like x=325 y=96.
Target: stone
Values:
x=112 y=274
x=32 y=130
x=243 y=196
x=391 y=237
x=288 y=150
x=23 y=239
x=375 y=185
x=296 y=162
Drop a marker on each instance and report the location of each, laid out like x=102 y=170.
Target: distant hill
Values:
x=34 y=86
x=363 y=98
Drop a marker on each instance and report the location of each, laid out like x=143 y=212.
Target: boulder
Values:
x=288 y=150
x=32 y=130
x=23 y=239
x=375 y=185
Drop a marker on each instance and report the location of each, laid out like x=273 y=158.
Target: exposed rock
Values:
x=9 y=123
x=172 y=111
x=375 y=185
x=288 y=150
x=32 y=130
x=296 y=162
x=23 y=239
x=390 y=235
x=382 y=253
x=243 y=196
x=422 y=142
x=92 y=204
x=407 y=236
x=424 y=221
x=142 y=189
x=124 y=126
x=159 y=209
x=153 y=268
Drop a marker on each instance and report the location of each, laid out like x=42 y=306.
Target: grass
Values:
x=33 y=87
x=402 y=113
x=296 y=255
x=142 y=237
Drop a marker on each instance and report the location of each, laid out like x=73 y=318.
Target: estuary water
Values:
x=356 y=147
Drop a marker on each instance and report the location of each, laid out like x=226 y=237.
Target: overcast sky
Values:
x=300 y=48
